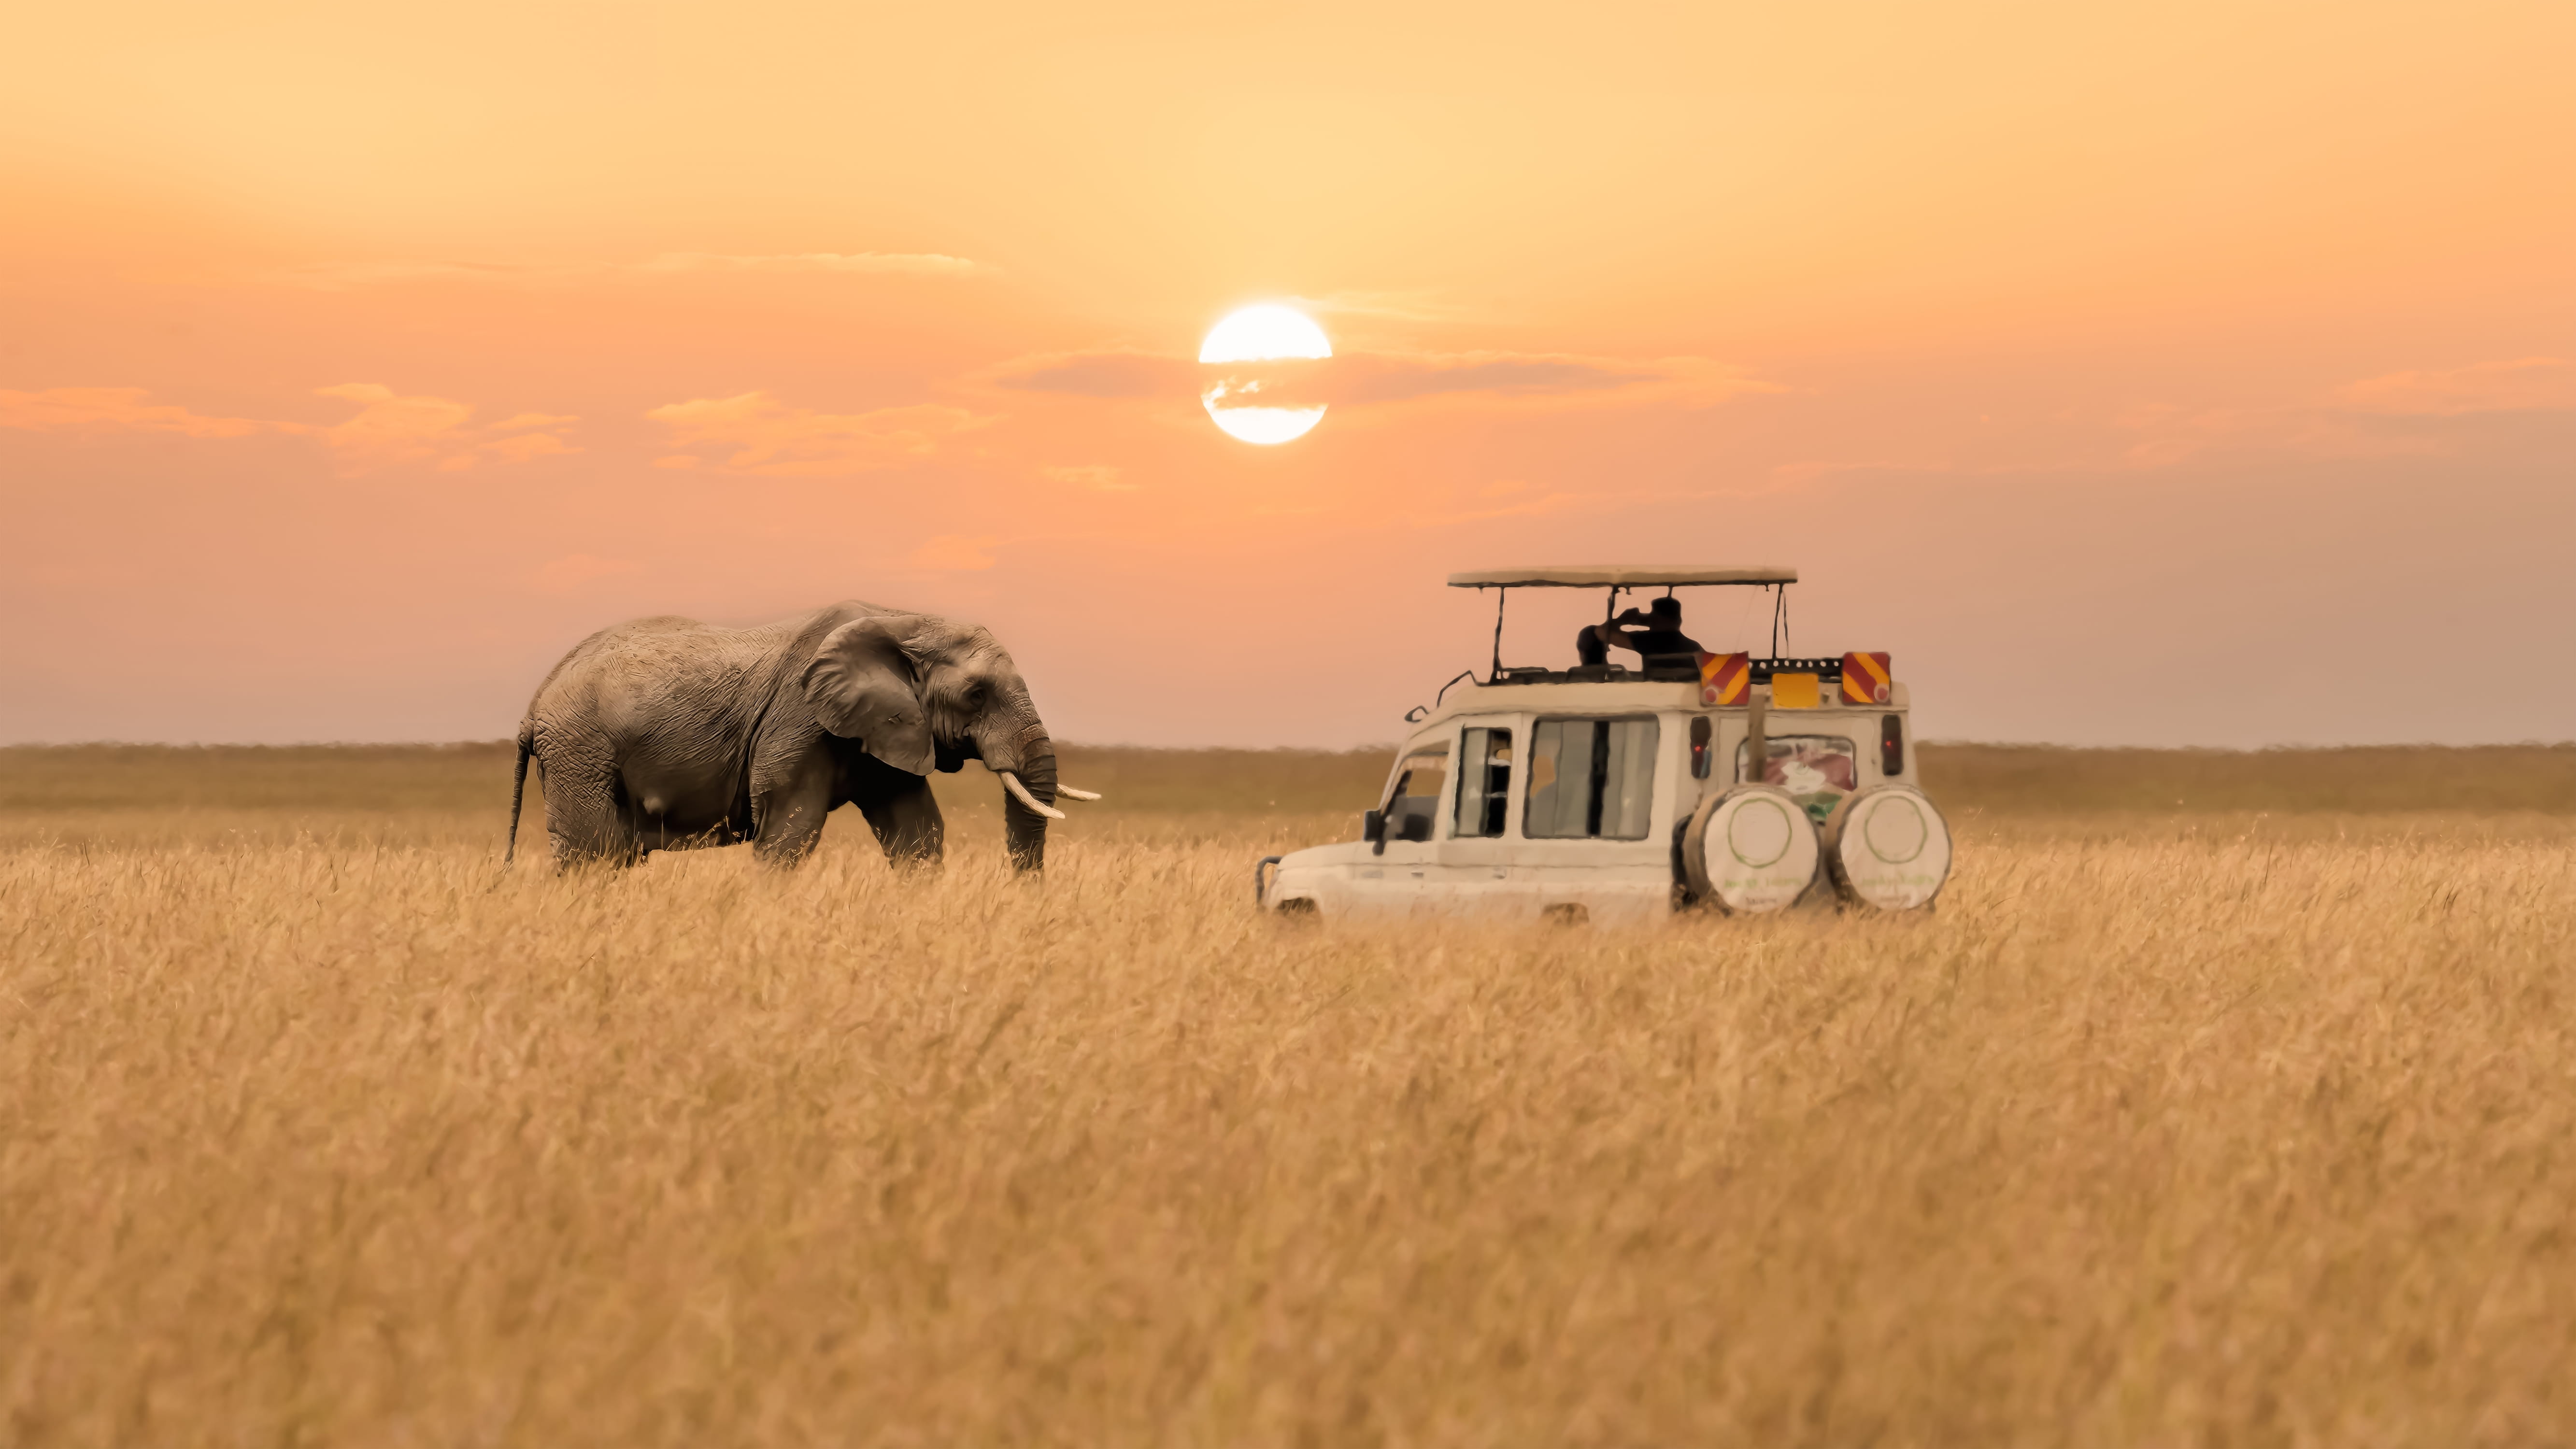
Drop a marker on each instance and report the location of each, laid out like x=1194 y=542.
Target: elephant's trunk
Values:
x=1024 y=828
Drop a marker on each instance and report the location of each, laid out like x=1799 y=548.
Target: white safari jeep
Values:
x=1617 y=794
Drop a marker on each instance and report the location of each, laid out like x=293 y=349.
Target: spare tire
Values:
x=1887 y=847
x=1750 y=850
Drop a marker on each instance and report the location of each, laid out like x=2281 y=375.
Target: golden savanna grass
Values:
x=2240 y=1121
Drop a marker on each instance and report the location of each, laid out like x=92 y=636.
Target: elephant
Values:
x=666 y=733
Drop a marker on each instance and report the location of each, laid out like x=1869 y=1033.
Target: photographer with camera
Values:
x=1654 y=634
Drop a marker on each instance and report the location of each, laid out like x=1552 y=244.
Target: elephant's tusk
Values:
x=1012 y=783
x=1067 y=792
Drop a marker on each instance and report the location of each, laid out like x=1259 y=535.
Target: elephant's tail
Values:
x=519 y=785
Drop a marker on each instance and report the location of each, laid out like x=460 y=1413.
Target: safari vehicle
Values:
x=1616 y=794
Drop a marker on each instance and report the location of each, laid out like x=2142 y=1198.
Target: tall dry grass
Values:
x=2217 y=1129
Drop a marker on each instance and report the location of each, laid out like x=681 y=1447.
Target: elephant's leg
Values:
x=585 y=820
x=788 y=809
x=906 y=820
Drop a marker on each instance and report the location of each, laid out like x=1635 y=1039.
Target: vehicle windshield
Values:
x=1417 y=786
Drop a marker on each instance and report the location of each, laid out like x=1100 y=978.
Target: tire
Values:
x=1888 y=848
x=1750 y=851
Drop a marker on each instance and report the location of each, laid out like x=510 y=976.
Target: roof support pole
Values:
x=1757 y=735
x=1502 y=596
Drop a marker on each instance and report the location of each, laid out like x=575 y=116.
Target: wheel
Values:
x=1750 y=850
x=1887 y=848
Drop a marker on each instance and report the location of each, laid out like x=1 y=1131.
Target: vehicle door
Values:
x=1588 y=817
x=1473 y=874
x=1393 y=879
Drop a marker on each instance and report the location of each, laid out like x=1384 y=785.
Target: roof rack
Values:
x=1618 y=579
x=1827 y=671
x=1623 y=576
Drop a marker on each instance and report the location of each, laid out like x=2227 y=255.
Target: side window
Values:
x=1417 y=787
x=1818 y=770
x=1590 y=779
x=1484 y=783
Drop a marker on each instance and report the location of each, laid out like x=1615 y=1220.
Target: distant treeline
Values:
x=1995 y=779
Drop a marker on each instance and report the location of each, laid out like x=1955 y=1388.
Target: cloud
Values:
x=525 y=436
x=1097 y=476
x=1366 y=379
x=924 y=264
x=1518 y=376
x=955 y=553
x=2530 y=384
x=121 y=409
x=1110 y=372
x=390 y=430
x=387 y=430
x=2398 y=414
x=762 y=435
x=2165 y=436
x=351 y=276
x=396 y=272
x=524 y=447
x=1503 y=501
x=1390 y=306
x=573 y=571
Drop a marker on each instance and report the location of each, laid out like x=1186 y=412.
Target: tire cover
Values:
x=1751 y=849
x=1888 y=848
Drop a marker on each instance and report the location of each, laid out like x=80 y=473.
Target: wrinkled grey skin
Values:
x=662 y=734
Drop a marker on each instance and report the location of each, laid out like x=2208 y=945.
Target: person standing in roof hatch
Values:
x=1659 y=633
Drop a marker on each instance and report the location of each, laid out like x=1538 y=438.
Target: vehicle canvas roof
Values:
x=1643 y=576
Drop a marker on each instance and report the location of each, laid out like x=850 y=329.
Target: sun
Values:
x=1268 y=332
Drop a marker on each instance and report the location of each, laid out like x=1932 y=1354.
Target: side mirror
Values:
x=1417 y=828
x=1373 y=827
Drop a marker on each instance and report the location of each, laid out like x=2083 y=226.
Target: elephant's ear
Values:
x=860 y=684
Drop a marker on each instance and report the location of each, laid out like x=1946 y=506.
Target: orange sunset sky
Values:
x=2173 y=373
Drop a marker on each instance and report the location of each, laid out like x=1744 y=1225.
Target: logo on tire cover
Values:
x=1778 y=812
x=1884 y=809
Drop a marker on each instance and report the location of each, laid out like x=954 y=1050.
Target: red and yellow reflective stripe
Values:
x=1725 y=678
x=1866 y=678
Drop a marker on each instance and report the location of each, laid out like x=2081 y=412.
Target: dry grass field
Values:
x=2226 y=1100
